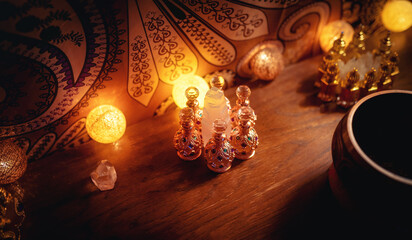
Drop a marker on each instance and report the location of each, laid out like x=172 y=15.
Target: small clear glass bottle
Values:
x=244 y=138
x=218 y=153
x=187 y=140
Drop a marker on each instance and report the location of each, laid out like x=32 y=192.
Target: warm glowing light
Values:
x=183 y=83
x=267 y=63
x=397 y=15
x=105 y=124
x=13 y=161
x=332 y=31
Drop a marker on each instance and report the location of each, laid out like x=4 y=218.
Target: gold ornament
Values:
x=192 y=94
x=349 y=94
x=187 y=140
x=105 y=124
x=13 y=161
x=329 y=84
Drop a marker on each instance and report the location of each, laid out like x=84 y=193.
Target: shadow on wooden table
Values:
x=318 y=215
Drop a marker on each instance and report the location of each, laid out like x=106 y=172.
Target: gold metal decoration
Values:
x=244 y=138
x=187 y=140
x=342 y=83
x=349 y=93
x=13 y=161
x=218 y=151
x=12 y=214
x=192 y=94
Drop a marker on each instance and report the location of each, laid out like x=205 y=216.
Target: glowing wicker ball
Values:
x=105 y=124
x=185 y=81
x=332 y=31
x=13 y=162
x=397 y=15
x=267 y=64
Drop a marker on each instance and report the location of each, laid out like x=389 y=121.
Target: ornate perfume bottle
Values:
x=192 y=94
x=384 y=49
x=242 y=92
x=350 y=92
x=218 y=151
x=369 y=83
x=327 y=60
x=219 y=83
x=338 y=49
x=244 y=138
x=329 y=84
x=385 y=80
x=394 y=64
x=357 y=46
x=187 y=140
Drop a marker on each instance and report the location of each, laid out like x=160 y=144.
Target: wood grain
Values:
x=159 y=196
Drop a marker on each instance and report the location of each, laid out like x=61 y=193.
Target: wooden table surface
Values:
x=282 y=192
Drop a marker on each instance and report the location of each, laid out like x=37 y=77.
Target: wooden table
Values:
x=280 y=193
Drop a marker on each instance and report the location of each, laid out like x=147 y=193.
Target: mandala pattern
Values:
x=59 y=58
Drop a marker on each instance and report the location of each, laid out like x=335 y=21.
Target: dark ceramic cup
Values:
x=372 y=155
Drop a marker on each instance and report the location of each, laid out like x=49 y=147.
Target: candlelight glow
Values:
x=397 y=15
x=332 y=31
x=105 y=124
x=183 y=83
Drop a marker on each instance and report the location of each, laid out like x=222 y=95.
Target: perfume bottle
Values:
x=218 y=151
x=216 y=107
x=357 y=46
x=219 y=82
x=192 y=94
x=329 y=84
x=327 y=60
x=384 y=49
x=242 y=92
x=187 y=140
x=393 y=61
x=370 y=84
x=350 y=92
x=385 y=81
x=244 y=138
x=338 y=49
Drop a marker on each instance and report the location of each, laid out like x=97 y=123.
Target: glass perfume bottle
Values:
x=349 y=94
x=216 y=107
x=329 y=84
x=244 y=138
x=242 y=92
x=192 y=94
x=218 y=151
x=187 y=140
x=219 y=82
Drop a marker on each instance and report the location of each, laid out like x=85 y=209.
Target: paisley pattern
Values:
x=74 y=78
x=61 y=58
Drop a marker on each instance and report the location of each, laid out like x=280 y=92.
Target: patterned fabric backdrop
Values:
x=59 y=59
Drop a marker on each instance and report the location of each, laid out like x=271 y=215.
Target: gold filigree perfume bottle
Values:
x=327 y=60
x=370 y=84
x=244 y=138
x=218 y=151
x=350 y=92
x=338 y=49
x=329 y=84
x=393 y=61
x=242 y=92
x=187 y=140
x=385 y=80
x=384 y=49
x=357 y=46
x=192 y=94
